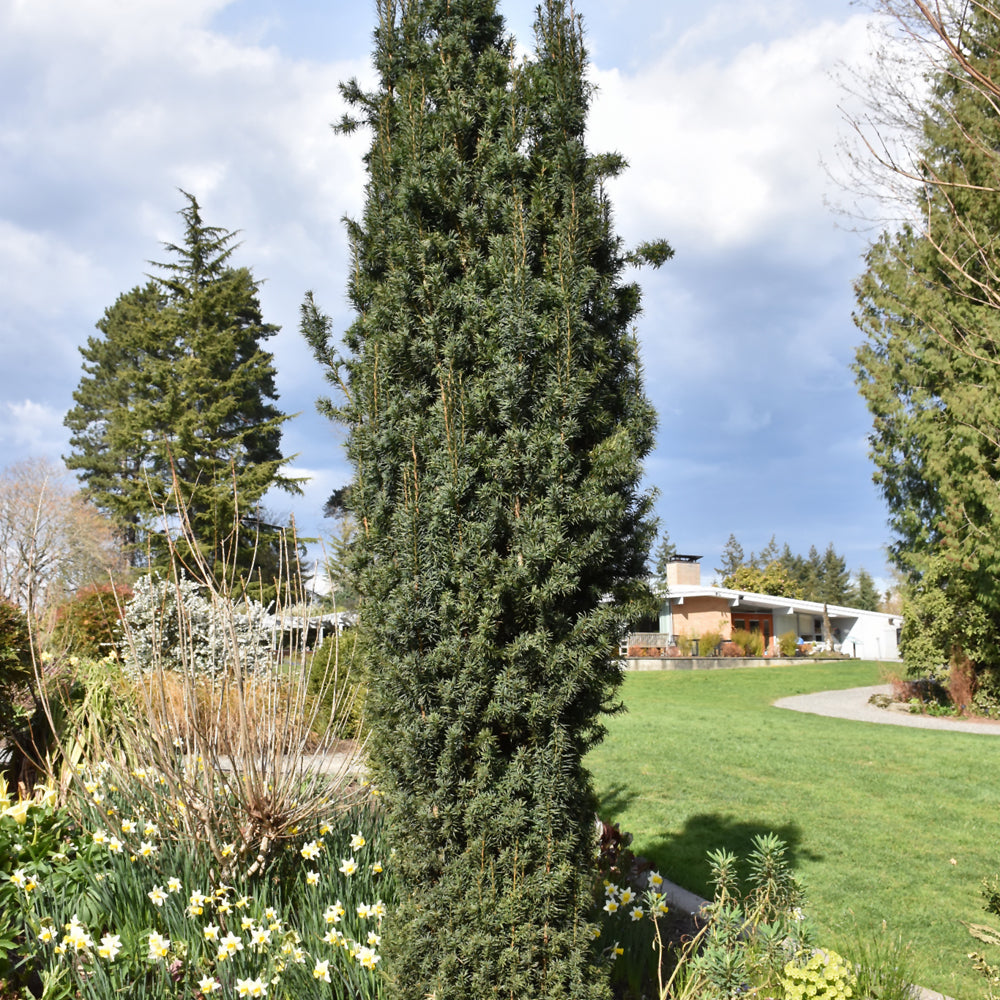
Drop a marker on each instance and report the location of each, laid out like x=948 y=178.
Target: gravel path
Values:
x=853 y=704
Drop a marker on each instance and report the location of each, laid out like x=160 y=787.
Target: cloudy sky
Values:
x=727 y=111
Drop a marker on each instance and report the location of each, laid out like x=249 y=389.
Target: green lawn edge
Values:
x=883 y=823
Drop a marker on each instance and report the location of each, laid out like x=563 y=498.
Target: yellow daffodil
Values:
x=357 y=842
x=322 y=971
x=348 y=866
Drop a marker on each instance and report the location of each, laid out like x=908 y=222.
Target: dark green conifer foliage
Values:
x=113 y=430
x=928 y=369
x=176 y=409
x=864 y=593
x=496 y=425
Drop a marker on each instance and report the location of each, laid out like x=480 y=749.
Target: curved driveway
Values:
x=853 y=704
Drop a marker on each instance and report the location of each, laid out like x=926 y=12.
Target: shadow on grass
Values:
x=683 y=857
x=615 y=801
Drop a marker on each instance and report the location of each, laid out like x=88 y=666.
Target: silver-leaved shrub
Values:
x=179 y=625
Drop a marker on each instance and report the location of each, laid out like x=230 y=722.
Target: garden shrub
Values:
x=684 y=644
x=823 y=975
x=180 y=625
x=986 y=700
x=788 y=643
x=337 y=682
x=710 y=641
x=750 y=643
x=89 y=623
x=16 y=671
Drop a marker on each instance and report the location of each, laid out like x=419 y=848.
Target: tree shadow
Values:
x=683 y=857
x=615 y=800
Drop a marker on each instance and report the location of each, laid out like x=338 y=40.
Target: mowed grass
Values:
x=883 y=823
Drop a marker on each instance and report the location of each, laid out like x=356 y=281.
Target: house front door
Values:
x=760 y=622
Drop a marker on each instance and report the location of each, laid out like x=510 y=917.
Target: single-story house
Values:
x=691 y=609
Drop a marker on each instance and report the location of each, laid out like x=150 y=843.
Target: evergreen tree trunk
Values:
x=496 y=425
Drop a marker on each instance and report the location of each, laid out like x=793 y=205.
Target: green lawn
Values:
x=873 y=815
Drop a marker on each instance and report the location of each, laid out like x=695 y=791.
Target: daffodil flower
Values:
x=322 y=971
x=111 y=944
x=367 y=958
x=159 y=946
x=357 y=842
x=348 y=866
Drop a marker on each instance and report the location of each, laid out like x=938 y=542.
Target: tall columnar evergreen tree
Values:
x=176 y=409
x=497 y=422
x=929 y=306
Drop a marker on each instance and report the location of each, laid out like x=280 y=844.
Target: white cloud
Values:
x=727 y=153
x=34 y=429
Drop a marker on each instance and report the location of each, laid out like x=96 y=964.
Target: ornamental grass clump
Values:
x=214 y=696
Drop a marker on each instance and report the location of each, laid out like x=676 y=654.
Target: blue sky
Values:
x=727 y=111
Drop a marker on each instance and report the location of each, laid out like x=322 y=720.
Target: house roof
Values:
x=742 y=600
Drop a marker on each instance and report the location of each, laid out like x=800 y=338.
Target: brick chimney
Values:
x=684 y=570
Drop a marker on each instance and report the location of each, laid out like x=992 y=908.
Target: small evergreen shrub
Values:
x=89 y=623
x=337 y=685
x=16 y=667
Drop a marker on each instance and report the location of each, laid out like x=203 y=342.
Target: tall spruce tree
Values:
x=176 y=409
x=497 y=422
x=732 y=558
x=929 y=306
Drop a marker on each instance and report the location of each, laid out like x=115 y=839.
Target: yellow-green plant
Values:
x=821 y=975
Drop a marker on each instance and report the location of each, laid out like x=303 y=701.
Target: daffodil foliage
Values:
x=497 y=423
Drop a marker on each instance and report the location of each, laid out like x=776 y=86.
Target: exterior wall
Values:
x=711 y=662
x=698 y=615
x=871 y=639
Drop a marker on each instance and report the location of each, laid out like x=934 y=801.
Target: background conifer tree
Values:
x=176 y=409
x=497 y=423
x=929 y=306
